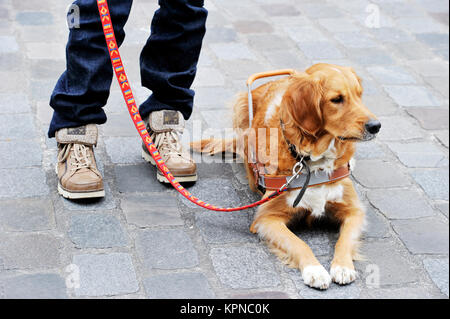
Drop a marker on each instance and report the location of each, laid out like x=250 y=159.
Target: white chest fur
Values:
x=316 y=198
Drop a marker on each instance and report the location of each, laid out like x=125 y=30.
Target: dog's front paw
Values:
x=316 y=277
x=343 y=275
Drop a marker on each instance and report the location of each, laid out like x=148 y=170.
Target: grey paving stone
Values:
x=434 y=182
x=16 y=126
x=412 y=51
x=202 y=189
x=34 y=18
x=369 y=150
x=96 y=231
x=213 y=97
x=244 y=267
x=124 y=150
x=268 y=295
x=397 y=293
x=240 y=70
x=400 y=203
x=12 y=62
x=444 y=208
x=26 y=215
x=317 y=240
x=208 y=76
x=394 y=267
x=305 y=34
x=270 y=42
x=232 y=51
x=401 y=9
x=431 y=119
x=178 y=286
x=166 y=249
x=340 y=24
x=423 y=236
x=106 y=275
x=12 y=183
x=47 y=69
x=380 y=104
x=29 y=251
x=435 y=67
x=422 y=154
x=284 y=59
x=391 y=75
x=138 y=179
x=9 y=44
x=434 y=5
x=355 y=40
x=421 y=25
x=320 y=50
x=439 y=83
x=221 y=228
x=399 y=128
x=408 y=96
x=20 y=154
x=220 y=34
x=105 y=203
x=443 y=137
x=438 y=271
x=439 y=43
x=38 y=286
x=379 y=174
x=374 y=56
x=315 y=11
x=281 y=10
x=152 y=210
x=251 y=27
x=391 y=35
x=119 y=125
x=377 y=226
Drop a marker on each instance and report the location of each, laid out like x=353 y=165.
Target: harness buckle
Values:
x=296 y=171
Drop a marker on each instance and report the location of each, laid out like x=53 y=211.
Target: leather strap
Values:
x=271 y=182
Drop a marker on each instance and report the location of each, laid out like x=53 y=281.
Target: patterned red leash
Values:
x=122 y=78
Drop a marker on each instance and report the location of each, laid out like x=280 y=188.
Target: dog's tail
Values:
x=215 y=146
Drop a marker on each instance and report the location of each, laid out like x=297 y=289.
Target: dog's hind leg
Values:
x=271 y=226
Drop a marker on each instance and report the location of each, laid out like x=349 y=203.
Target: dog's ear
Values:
x=303 y=101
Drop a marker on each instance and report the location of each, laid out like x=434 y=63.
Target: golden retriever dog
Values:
x=321 y=113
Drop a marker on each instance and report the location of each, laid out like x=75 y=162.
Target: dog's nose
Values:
x=373 y=126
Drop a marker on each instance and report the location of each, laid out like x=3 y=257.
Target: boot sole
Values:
x=161 y=178
x=82 y=195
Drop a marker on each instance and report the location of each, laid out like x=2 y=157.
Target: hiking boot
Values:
x=165 y=128
x=78 y=176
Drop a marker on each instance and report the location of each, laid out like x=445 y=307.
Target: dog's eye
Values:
x=338 y=100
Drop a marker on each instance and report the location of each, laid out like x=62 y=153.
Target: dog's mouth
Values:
x=366 y=137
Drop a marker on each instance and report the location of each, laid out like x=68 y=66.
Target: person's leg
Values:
x=83 y=89
x=169 y=59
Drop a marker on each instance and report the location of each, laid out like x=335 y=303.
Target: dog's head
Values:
x=327 y=99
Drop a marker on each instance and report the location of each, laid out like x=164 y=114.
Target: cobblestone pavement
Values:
x=143 y=241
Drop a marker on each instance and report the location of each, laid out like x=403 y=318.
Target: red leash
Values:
x=121 y=76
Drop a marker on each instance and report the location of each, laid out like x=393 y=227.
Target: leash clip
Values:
x=296 y=171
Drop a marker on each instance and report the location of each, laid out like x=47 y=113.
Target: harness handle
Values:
x=258 y=76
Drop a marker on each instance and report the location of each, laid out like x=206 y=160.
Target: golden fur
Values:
x=321 y=107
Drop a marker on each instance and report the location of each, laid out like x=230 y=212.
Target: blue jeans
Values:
x=168 y=62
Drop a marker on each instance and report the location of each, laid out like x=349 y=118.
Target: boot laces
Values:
x=81 y=156
x=169 y=145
